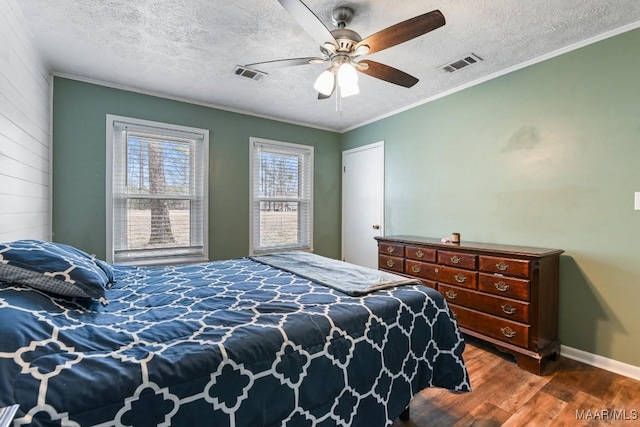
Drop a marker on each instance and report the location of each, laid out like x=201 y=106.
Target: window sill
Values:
x=165 y=261
x=277 y=250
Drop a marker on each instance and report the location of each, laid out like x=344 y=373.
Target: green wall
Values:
x=79 y=135
x=546 y=156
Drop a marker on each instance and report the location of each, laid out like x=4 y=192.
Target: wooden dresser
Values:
x=506 y=295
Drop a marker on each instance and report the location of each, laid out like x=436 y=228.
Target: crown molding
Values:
x=185 y=100
x=500 y=73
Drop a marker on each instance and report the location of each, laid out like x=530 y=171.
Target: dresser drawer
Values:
x=420 y=254
x=458 y=259
x=423 y=270
x=506 y=266
x=391 y=263
x=504 y=286
x=503 y=307
x=394 y=249
x=429 y=283
x=504 y=330
x=456 y=276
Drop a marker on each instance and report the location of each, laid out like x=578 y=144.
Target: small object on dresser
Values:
x=445 y=240
x=455 y=237
x=6 y=415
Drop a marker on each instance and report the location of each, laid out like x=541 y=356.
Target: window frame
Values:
x=201 y=149
x=254 y=205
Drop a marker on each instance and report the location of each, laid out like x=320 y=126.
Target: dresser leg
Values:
x=534 y=364
x=530 y=364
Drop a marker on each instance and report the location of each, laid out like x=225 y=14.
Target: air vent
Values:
x=461 y=63
x=241 y=71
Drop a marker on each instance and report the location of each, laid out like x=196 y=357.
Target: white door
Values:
x=362 y=203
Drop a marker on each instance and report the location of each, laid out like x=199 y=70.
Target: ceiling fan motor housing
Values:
x=346 y=39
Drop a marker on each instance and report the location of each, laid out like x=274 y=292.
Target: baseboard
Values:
x=601 y=362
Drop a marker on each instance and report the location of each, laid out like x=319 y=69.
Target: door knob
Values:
x=376 y=227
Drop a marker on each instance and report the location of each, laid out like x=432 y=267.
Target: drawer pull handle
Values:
x=501 y=286
x=508 y=332
x=390 y=249
x=455 y=259
x=415 y=268
x=435 y=270
x=390 y=263
x=419 y=253
x=502 y=266
x=451 y=294
x=508 y=308
x=460 y=278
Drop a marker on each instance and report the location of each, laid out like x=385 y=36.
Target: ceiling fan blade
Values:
x=387 y=73
x=404 y=31
x=285 y=63
x=309 y=21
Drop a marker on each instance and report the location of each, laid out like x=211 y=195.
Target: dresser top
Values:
x=475 y=246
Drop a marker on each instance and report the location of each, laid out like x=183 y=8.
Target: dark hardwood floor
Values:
x=569 y=393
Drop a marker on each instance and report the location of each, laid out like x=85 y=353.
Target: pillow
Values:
x=108 y=271
x=54 y=267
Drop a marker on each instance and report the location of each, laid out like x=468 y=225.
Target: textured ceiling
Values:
x=187 y=49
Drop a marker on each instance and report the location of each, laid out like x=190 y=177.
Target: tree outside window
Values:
x=158 y=193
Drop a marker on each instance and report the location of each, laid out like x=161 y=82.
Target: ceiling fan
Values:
x=342 y=48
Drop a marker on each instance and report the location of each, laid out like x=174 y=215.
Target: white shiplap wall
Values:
x=25 y=92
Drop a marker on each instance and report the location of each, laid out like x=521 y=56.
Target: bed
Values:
x=240 y=342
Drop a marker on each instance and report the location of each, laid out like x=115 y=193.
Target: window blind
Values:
x=281 y=196
x=159 y=196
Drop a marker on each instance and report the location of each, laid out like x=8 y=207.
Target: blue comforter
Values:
x=228 y=343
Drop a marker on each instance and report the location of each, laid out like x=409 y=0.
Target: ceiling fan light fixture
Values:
x=349 y=90
x=325 y=82
x=348 y=80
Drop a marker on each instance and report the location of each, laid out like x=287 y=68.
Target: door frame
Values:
x=379 y=144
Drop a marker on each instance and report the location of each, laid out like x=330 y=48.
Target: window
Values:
x=281 y=196
x=156 y=192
